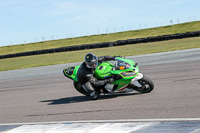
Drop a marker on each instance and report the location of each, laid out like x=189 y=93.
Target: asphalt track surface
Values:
x=43 y=94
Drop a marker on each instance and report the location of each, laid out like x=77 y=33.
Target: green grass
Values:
x=178 y=28
x=77 y=56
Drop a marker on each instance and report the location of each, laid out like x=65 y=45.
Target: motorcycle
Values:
x=124 y=71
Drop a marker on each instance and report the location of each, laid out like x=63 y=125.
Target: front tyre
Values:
x=147 y=85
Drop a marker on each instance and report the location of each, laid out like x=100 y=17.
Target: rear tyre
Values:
x=147 y=85
x=80 y=89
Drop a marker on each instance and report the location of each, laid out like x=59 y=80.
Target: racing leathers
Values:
x=87 y=80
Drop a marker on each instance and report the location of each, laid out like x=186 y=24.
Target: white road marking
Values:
x=83 y=128
x=97 y=126
x=108 y=121
x=33 y=128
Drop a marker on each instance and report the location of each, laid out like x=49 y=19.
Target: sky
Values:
x=27 y=21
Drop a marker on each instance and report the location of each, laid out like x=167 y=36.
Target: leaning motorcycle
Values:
x=124 y=71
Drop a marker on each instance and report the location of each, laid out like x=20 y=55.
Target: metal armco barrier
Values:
x=105 y=44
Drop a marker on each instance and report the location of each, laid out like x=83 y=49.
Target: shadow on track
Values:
x=78 y=99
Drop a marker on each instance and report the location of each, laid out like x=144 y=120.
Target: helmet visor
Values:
x=92 y=64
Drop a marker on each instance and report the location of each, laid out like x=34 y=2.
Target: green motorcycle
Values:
x=124 y=71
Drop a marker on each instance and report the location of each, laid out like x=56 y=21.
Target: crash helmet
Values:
x=91 y=60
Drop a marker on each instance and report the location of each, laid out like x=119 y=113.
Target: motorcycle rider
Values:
x=85 y=74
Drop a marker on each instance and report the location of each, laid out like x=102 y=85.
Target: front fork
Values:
x=135 y=80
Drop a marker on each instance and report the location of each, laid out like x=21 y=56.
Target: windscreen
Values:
x=120 y=65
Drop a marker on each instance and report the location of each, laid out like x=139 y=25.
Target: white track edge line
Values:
x=107 y=121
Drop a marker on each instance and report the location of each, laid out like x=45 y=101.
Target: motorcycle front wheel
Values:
x=147 y=85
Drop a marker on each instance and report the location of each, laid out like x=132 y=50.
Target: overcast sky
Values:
x=25 y=21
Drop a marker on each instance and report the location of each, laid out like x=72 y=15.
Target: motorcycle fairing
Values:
x=106 y=70
x=71 y=72
x=103 y=70
x=121 y=84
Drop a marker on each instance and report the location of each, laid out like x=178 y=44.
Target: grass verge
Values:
x=76 y=56
x=178 y=28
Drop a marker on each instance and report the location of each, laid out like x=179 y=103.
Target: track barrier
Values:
x=105 y=44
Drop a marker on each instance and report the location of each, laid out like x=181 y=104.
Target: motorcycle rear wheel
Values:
x=147 y=85
x=80 y=89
